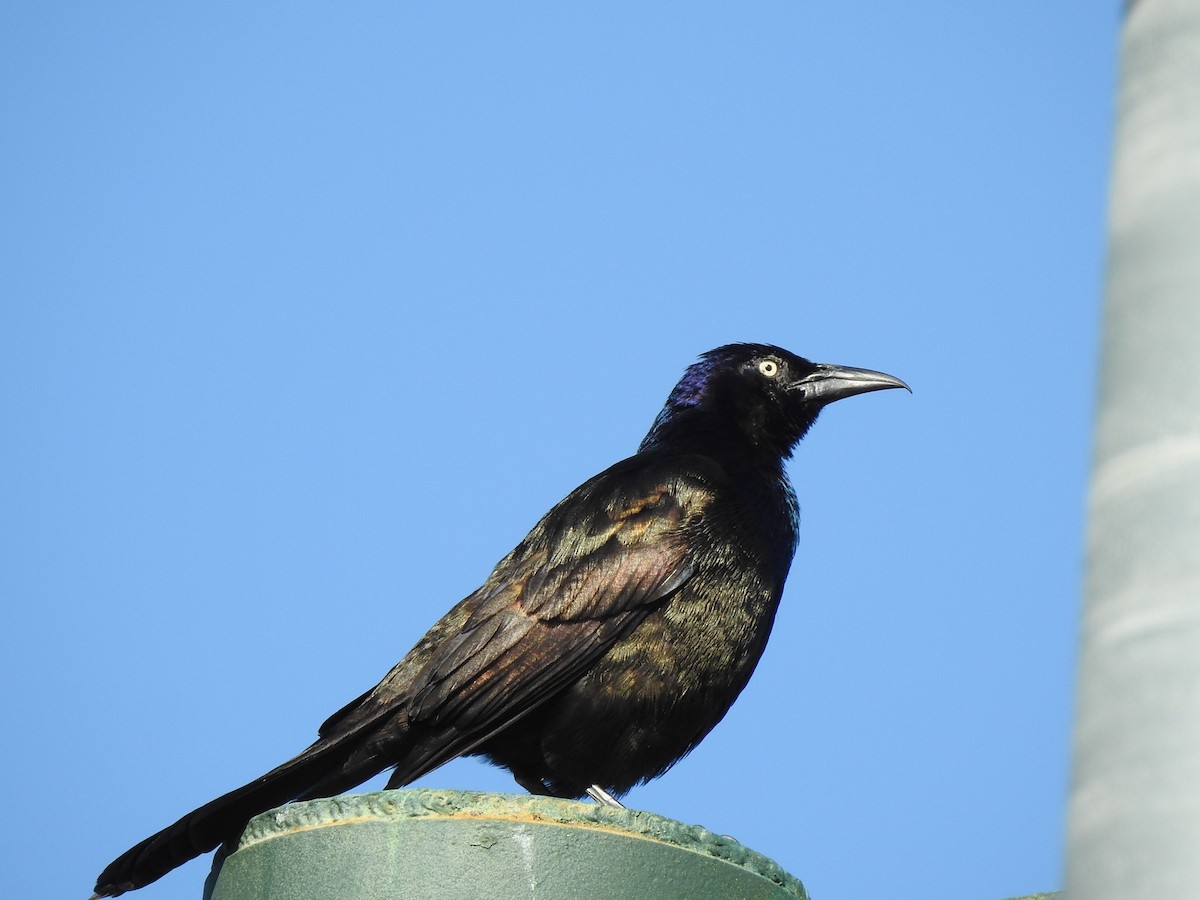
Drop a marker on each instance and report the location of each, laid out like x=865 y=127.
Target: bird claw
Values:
x=604 y=798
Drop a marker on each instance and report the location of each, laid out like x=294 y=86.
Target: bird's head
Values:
x=756 y=395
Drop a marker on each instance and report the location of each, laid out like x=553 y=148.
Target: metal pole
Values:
x=1134 y=812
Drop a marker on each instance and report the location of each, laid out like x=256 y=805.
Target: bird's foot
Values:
x=603 y=797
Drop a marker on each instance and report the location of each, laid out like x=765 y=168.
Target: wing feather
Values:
x=584 y=577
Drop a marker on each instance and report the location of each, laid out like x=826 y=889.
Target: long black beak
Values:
x=830 y=383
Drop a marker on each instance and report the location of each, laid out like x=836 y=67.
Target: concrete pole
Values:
x=1134 y=813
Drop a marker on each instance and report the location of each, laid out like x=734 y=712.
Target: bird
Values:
x=609 y=642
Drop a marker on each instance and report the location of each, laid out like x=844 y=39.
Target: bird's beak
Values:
x=830 y=383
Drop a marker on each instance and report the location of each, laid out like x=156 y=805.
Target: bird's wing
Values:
x=586 y=575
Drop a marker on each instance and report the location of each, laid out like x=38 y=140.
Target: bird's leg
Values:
x=603 y=797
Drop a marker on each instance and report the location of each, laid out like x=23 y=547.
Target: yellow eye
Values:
x=768 y=368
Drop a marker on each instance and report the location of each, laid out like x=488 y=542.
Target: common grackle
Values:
x=609 y=642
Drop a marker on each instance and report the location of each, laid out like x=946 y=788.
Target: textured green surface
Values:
x=452 y=844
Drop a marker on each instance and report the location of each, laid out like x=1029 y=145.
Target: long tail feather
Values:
x=222 y=819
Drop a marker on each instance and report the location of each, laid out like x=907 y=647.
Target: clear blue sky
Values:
x=310 y=312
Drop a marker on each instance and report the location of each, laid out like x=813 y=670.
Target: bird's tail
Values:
x=331 y=761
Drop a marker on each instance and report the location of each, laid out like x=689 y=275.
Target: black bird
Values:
x=609 y=642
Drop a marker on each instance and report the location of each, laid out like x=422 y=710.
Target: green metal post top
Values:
x=459 y=844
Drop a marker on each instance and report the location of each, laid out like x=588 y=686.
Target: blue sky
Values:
x=311 y=312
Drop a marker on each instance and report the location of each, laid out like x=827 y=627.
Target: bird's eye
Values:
x=769 y=368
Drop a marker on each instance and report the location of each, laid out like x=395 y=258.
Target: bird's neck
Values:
x=737 y=449
x=752 y=462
